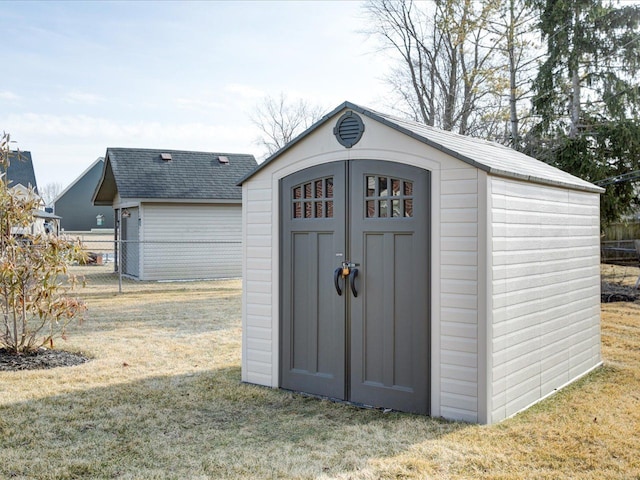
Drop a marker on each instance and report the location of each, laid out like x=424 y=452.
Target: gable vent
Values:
x=223 y=160
x=165 y=156
x=349 y=129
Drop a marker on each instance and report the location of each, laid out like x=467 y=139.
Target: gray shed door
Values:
x=363 y=337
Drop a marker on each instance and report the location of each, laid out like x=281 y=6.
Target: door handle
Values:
x=352 y=281
x=336 y=279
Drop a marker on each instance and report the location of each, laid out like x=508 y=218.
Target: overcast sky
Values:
x=79 y=77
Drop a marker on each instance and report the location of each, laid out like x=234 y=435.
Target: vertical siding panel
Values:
x=459 y=293
x=257 y=285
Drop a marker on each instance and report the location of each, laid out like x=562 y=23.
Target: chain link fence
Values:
x=619 y=252
x=121 y=266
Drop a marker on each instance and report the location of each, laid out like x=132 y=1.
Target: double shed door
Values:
x=355 y=283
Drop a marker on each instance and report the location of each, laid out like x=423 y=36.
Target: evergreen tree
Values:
x=587 y=95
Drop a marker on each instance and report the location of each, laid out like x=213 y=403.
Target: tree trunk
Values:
x=513 y=111
x=450 y=91
x=574 y=72
x=575 y=104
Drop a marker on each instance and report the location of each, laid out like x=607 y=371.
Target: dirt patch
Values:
x=43 y=358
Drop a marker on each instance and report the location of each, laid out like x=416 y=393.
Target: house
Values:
x=20 y=171
x=179 y=213
x=75 y=206
x=392 y=264
x=22 y=178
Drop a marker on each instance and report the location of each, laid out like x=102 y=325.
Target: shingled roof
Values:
x=171 y=174
x=488 y=156
x=21 y=170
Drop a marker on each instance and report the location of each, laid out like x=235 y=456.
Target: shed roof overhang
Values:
x=43 y=214
x=107 y=189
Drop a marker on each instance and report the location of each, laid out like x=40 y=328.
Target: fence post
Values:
x=120 y=267
x=119 y=253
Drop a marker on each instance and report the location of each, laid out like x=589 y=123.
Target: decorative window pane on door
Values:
x=388 y=197
x=313 y=199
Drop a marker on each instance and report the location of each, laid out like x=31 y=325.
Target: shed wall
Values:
x=544 y=310
x=454 y=269
x=190 y=241
x=459 y=294
x=259 y=338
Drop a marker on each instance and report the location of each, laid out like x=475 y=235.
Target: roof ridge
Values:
x=169 y=150
x=487 y=155
x=140 y=173
x=435 y=129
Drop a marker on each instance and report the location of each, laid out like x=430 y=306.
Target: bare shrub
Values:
x=36 y=304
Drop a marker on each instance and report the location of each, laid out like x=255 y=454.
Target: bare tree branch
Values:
x=281 y=120
x=453 y=60
x=49 y=192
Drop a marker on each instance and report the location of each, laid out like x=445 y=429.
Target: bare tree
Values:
x=49 y=192
x=451 y=72
x=408 y=33
x=513 y=28
x=281 y=120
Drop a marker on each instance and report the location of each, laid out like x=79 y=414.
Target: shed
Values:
x=75 y=206
x=392 y=264
x=179 y=213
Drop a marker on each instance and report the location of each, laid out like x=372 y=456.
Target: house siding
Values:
x=75 y=207
x=187 y=241
x=545 y=283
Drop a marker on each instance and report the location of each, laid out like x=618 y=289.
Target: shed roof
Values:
x=45 y=214
x=144 y=174
x=490 y=157
x=20 y=171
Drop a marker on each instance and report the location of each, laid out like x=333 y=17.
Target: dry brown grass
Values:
x=162 y=399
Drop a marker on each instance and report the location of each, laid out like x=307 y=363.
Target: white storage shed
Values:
x=392 y=264
x=178 y=214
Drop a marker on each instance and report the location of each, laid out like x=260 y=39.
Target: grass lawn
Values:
x=162 y=399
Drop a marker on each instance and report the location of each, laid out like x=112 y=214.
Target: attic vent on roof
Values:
x=165 y=156
x=349 y=129
x=223 y=160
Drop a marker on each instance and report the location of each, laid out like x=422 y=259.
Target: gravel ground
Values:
x=42 y=358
